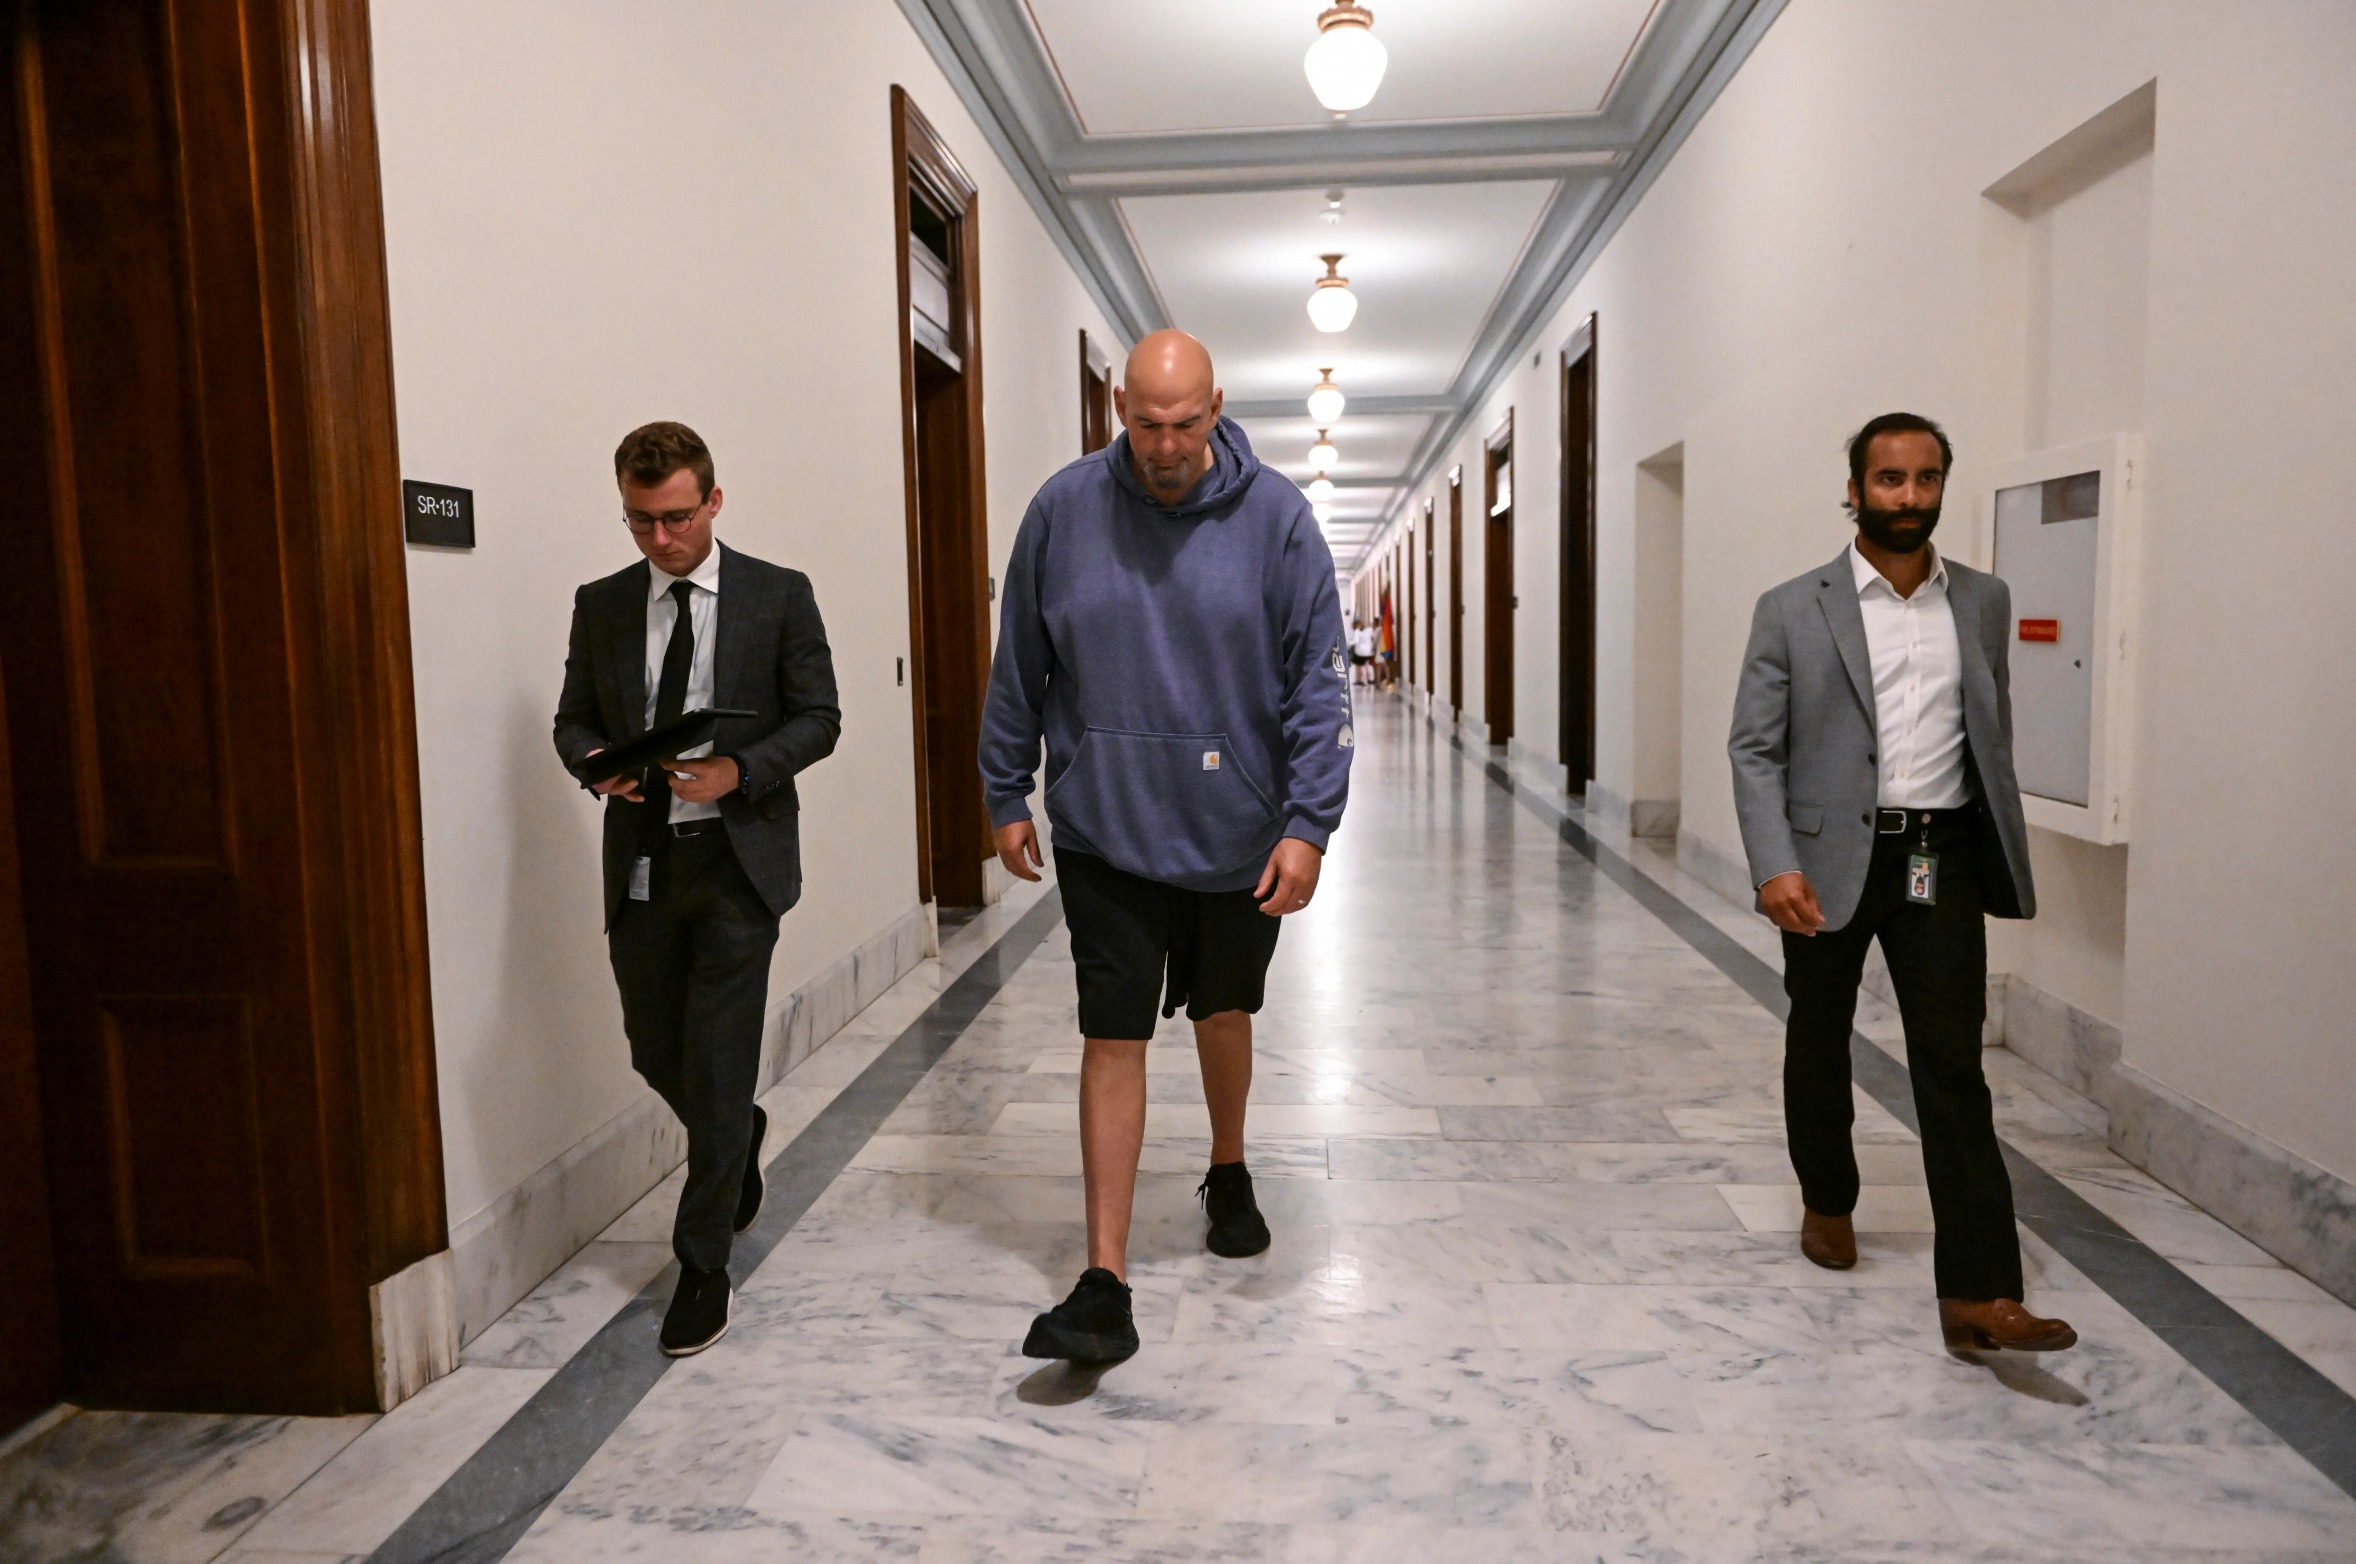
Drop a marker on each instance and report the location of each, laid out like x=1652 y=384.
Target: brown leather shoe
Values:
x=2000 y=1324
x=1830 y=1241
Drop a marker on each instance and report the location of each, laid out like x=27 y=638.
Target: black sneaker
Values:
x=748 y=1199
x=1237 y=1228
x=1093 y=1325
x=698 y=1315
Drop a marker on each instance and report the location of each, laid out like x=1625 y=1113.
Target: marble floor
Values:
x=1535 y=1294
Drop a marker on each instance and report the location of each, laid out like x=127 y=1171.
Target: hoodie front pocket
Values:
x=1169 y=806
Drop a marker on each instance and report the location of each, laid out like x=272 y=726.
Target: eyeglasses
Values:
x=670 y=520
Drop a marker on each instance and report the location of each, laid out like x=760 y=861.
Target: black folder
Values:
x=663 y=743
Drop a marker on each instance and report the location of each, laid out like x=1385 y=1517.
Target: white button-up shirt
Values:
x=703 y=617
x=1917 y=688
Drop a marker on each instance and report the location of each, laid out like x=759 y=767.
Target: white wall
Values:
x=600 y=214
x=1820 y=250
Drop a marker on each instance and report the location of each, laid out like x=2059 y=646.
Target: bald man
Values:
x=1171 y=629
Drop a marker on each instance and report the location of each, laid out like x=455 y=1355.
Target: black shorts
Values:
x=1128 y=932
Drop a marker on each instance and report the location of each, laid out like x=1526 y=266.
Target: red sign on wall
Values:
x=2040 y=629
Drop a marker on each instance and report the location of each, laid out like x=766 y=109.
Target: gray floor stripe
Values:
x=2273 y=1384
x=490 y=1502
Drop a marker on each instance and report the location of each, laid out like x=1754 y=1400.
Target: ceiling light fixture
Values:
x=1333 y=207
x=1322 y=455
x=1326 y=402
x=1323 y=513
x=1345 y=65
x=1321 y=490
x=1332 y=306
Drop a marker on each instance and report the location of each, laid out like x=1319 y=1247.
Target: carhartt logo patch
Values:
x=1210 y=760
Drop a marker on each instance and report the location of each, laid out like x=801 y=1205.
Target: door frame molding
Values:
x=365 y=740
x=1577 y=564
x=920 y=156
x=1456 y=590
x=1497 y=594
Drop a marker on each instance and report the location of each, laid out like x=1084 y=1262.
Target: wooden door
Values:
x=938 y=225
x=1577 y=684
x=32 y=1365
x=1096 y=396
x=1456 y=590
x=1497 y=595
x=1429 y=644
x=204 y=626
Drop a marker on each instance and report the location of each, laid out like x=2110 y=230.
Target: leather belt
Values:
x=1897 y=822
x=703 y=827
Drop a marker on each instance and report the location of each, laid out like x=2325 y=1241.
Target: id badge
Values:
x=1922 y=879
x=642 y=879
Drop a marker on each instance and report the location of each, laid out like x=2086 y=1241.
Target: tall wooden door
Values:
x=1430 y=645
x=1456 y=590
x=1577 y=684
x=205 y=635
x=939 y=251
x=1498 y=600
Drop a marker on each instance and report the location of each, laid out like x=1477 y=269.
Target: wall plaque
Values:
x=438 y=514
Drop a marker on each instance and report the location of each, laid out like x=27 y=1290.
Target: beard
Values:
x=1900 y=531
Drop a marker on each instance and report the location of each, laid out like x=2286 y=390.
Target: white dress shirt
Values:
x=703 y=616
x=1917 y=688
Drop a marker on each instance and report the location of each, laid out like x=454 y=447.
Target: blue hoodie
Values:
x=1184 y=664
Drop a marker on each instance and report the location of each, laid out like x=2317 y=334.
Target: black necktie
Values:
x=670 y=697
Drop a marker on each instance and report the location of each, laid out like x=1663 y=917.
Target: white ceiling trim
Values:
x=1603 y=161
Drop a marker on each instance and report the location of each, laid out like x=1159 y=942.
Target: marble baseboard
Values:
x=1647 y=817
x=413 y=1314
x=1654 y=817
x=2076 y=1049
x=1474 y=730
x=1727 y=873
x=1550 y=777
x=823 y=1006
x=2303 y=1215
x=511 y=1246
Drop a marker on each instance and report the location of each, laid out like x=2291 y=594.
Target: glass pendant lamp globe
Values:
x=1332 y=307
x=1320 y=490
x=1331 y=304
x=1322 y=455
x=1345 y=65
x=1323 y=513
x=1326 y=402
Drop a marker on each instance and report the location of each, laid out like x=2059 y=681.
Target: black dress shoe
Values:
x=698 y=1315
x=748 y=1199
x=1093 y=1325
x=1237 y=1228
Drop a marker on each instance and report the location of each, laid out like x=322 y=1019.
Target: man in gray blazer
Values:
x=702 y=852
x=1873 y=781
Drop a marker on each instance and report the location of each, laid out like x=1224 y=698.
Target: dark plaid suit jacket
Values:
x=771 y=657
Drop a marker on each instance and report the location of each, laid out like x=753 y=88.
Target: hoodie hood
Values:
x=1233 y=467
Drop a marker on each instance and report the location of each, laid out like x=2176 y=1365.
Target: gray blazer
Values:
x=771 y=658
x=1804 y=739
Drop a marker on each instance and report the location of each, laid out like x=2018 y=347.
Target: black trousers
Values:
x=692 y=965
x=1938 y=957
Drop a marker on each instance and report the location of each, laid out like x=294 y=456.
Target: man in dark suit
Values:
x=1873 y=781
x=703 y=852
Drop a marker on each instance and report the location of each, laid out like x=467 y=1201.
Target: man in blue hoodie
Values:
x=1171 y=628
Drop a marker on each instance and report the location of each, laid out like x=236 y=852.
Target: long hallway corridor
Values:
x=1535 y=1292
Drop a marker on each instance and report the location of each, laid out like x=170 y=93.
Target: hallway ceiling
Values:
x=1178 y=156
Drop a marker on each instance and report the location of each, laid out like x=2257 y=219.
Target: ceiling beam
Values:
x=1360 y=407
